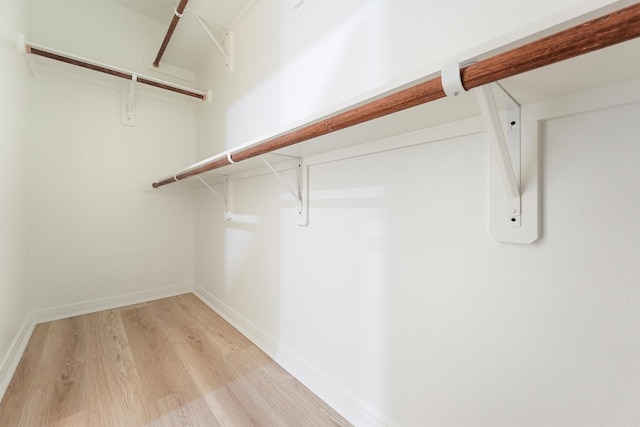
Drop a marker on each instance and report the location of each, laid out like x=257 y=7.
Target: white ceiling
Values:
x=190 y=43
x=218 y=12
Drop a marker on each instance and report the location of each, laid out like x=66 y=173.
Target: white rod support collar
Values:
x=451 y=79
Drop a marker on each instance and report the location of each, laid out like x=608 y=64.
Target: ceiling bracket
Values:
x=225 y=46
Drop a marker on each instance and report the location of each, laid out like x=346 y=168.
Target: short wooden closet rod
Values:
x=47 y=53
x=174 y=22
x=596 y=34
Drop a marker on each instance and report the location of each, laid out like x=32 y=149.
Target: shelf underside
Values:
x=616 y=64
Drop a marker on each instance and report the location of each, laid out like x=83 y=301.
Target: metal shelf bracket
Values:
x=296 y=191
x=513 y=160
x=505 y=149
x=225 y=46
x=513 y=168
x=128 y=111
x=226 y=197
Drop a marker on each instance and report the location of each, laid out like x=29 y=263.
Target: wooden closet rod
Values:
x=47 y=53
x=174 y=22
x=596 y=34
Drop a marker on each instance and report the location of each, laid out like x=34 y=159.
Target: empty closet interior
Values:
x=426 y=212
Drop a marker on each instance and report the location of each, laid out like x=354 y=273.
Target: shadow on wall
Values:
x=384 y=290
x=350 y=294
x=408 y=301
x=239 y=260
x=334 y=278
x=305 y=69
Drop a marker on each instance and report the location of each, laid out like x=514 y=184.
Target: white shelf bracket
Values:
x=226 y=198
x=128 y=111
x=225 y=46
x=513 y=161
x=513 y=168
x=508 y=167
x=295 y=191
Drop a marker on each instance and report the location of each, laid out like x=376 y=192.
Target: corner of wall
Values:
x=345 y=403
x=10 y=362
x=92 y=306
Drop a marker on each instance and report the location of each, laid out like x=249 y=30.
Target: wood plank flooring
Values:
x=171 y=362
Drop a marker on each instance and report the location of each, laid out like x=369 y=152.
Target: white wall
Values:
x=395 y=293
x=14 y=178
x=94 y=232
x=77 y=230
x=290 y=64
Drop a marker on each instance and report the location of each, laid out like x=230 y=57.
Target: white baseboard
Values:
x=9 y=363
x=355 y=411
x=344 y=402
x=65 y=311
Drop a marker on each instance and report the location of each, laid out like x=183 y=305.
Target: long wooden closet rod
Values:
x=170 y=30
x=58 y=56
x=596 y=34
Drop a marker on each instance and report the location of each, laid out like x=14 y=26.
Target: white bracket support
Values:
x=508 y=168
x=513 y=161
x=295 y=191
x=226 y=198
x=513 y=168
x=225 y=47
x=127 y=110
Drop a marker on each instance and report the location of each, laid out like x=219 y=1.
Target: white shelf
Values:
x=38 y=64
x=606 y=67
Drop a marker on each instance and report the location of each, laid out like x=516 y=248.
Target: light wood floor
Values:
x=171 y=362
